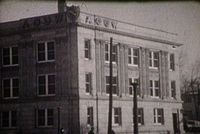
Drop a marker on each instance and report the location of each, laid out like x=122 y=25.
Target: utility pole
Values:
x=135 y=108
x=110 y=92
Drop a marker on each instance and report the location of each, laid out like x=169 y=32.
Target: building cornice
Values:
x=130 y=35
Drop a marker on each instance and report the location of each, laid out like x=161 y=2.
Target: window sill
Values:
x=10 y=98
x=11 y=65
x=46 y=95
x=88 y=59
x=115 y=95
x=116 y=125
x=46 y=61
x=155 y=97
x=108 y=62
x=89 y=94
x=132 y=65
x=45 y=127
x=155 y=68
x=158 y=124
x=8 y=128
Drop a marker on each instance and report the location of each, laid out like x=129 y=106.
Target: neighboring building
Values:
x=191 y=104
x=55 y=74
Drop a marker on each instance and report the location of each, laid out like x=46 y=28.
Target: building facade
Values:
x=55 y=74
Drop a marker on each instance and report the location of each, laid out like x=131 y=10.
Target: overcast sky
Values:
x=182 y=18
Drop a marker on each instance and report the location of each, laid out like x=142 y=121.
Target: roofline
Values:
x=131 y=35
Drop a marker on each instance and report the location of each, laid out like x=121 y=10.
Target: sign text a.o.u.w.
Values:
x=100 y=21
x=43 y=21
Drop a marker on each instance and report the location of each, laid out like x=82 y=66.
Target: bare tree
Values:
x=190 y=83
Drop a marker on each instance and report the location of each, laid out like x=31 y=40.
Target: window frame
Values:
x=130 y=87
x=46 y=118
x=172 y=62
x=90 y=116
x=157 y=116
x=11 y=88
x=152 y=59
x=88 y=49
x=173 y=90
x=88 y=83
x=154 y=88
x=132 y=56
x=46 y=85
x=107 y=53
x=46 y=51
x=119 y=116
x=10 y=56
x=139 y=115
x=115 y=85
x=10 y=119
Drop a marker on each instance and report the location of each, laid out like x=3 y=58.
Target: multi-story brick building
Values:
x=54 y=74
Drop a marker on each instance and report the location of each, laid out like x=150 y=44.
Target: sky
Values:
x=178 y=17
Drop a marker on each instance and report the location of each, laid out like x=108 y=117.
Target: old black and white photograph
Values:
x=99 y=67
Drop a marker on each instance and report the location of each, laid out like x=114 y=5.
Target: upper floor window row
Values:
x=10 y=56
x=45 y=51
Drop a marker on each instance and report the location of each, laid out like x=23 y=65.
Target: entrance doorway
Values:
x=175 y=123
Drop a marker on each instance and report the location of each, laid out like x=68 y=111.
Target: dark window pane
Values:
x=5 y=119
x=50 y=49
x=41 y=56
x=14 y=119
x=6 y=60
x=15 y=87
x=6 y=87
x=42 y=86
x=15 y=55
x=6 y=56
x=41 y=117
x=135 y=60
x=50 y=117
x=41 y=52
x=51 y=84
x=14 y=59
x=51 y=55
x=41 y=47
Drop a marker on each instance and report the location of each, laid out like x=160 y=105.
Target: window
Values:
x=154 y=88
x=117 y=116
x=87 y=49
x=11 y=88
x=131 y=80
x=114 y=85
x=140 y=113
x=10 y=56
x=90 y=116
x=172 y=62
x=45 y=117
x=158 y=116
x=46 y=51
x=153 y=59
x=107 y=53
x=88 y=83
x=133 y=56
x=8 y=119
x=46 y=84
x=173 y=89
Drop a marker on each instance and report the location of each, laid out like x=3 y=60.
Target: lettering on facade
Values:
x=102 y=22
x=43 y=21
